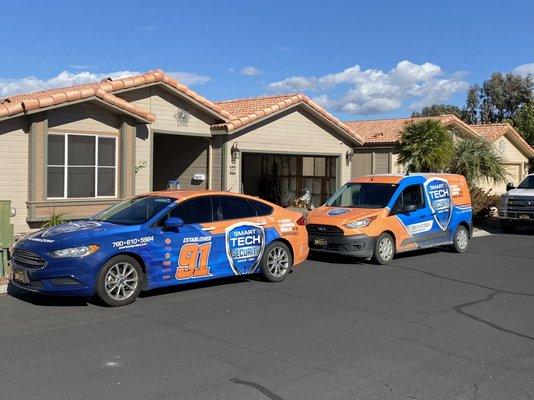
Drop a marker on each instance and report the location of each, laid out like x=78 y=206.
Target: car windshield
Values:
x=362 y=195
x=528 y=183
x=135 y=211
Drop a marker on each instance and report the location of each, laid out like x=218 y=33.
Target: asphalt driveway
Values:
x=433 y=325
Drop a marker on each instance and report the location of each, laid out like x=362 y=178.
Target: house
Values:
x=379 y=154
x=81 y=149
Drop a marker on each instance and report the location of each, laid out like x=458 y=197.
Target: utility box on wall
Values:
x=6 y=234
x=6 y=227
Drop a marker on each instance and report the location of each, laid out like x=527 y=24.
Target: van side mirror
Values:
x=174 y=222
x=409 y=208
x=509 y=186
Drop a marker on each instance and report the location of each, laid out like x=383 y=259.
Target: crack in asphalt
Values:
x=460 y=307
x=262 y=389
x=489 y=297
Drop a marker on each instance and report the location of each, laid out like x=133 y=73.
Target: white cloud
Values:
x=190 y=78
x=250 y=71
x=10 y=87
x=293 y=83
x=524 y=69
x=372 y=91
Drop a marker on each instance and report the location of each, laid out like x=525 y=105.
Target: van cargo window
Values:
x=362 y=195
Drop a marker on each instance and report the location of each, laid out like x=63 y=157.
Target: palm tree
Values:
x=477 y=160
x=426 y=146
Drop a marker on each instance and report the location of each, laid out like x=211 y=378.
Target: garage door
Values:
x=179 y=157
x=362 y=164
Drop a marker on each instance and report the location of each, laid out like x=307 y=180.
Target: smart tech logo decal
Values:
x=439 y=200
x=245 y=242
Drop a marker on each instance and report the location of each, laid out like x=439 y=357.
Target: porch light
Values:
x=348 y=156
x=234 y=152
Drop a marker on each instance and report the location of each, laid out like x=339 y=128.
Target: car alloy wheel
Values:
x=278 y=261
x=121 y=281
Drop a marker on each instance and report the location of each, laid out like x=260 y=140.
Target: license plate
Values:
x=524 y=216
x=20 y=276
x=319 y=242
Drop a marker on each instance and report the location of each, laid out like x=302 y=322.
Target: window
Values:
x=195 y=211
x=528 y=183
x=81 y=166
x=262 y=209
x=229 y=207
x=134 y=211
x=412 y=195
x=362 y=195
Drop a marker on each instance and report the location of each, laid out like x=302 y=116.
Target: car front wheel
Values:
x=276 y=262
x=119 y=281
x=384 y=249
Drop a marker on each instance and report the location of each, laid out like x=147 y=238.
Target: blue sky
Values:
x=360 y=59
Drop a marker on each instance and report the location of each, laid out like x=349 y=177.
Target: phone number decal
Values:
x=135 y=242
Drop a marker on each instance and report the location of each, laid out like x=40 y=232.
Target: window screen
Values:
x=81 y=166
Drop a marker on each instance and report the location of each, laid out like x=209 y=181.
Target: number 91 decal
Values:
x=193 y=261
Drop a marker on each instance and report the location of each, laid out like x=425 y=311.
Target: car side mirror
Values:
x=174 y=222
x=509 y=186
x=409 y=208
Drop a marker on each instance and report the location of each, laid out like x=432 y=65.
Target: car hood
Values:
x=340 y=215
x=521 y=192
x=70 y=234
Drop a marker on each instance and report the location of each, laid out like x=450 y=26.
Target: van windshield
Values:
x=362 y=195
x=528 y=183
x=135 y=211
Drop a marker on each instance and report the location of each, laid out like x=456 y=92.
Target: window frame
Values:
x=401 y=194
x=65 y=165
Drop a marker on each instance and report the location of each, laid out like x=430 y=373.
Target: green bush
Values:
x=481 y=202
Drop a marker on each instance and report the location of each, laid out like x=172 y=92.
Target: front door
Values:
x=419 y=221
x=190 y=252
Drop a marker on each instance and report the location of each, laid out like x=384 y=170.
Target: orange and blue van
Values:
x=161 y=239
x=377 y=216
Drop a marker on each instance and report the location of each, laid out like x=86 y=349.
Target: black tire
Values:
x=507 y=227
x=381 y=254
x=460 y=242
x=129 y=266
x=276 y=262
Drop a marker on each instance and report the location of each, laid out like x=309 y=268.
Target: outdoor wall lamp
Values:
x=234 y=152
x=348 y=156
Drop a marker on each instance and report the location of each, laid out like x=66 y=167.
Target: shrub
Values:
x=482 y=201
x=54 y=218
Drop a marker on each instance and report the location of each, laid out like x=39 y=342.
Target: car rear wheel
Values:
x=119 y=281
x=384 y=249
x=276 y=262
x=461 y=239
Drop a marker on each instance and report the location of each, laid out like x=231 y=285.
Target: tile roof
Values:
x=246 y=111
x=492 y=132
x=20 y=104
x=389 y=131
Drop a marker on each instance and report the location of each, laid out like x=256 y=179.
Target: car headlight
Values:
x=80 y=251
x=359 y=223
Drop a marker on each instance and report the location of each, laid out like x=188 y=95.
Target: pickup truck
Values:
x=517 y=205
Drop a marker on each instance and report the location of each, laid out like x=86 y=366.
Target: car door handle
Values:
x=262 y=223
x=209 y=228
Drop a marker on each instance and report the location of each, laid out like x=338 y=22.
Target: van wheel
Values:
x=461 y=239
x=384 y=249
x=276 y=262
x=507 y=227
x=119 y=281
